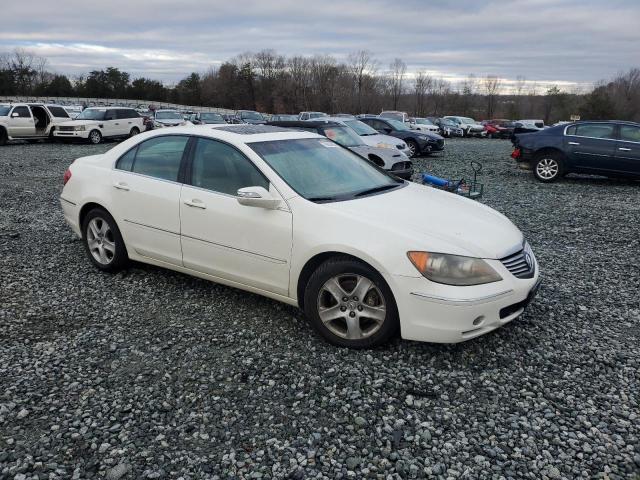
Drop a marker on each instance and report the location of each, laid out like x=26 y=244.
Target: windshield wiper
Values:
x=321 y=199
x=381 y=188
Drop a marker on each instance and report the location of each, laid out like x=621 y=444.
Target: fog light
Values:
x=478 y=321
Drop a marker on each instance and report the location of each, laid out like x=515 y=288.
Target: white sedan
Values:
x=297 y=218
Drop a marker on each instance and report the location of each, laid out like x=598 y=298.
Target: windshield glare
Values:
x=360 y=128
x=344 y=136
x=423 y=121
x=4 y=110
x=394 y=116
x=211 y=117
x=320 y=170
x=168 y=116
x=91 y=114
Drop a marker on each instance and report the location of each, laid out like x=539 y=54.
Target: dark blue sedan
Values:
x=609 y=148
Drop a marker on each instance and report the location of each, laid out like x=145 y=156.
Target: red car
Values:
x=498 y=128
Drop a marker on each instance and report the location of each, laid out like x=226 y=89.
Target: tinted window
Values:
x=91 y=114
x=630 y=133
x=595 y=130
x=23 y=112
x=58 y=112
x=110 y=115
x=221 y=168
x=126 y=113
x=160 y=157
x=570 y=130
x=125 y=162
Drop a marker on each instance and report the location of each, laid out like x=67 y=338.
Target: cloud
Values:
x=573 y=42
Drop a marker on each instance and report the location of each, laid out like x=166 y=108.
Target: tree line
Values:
x=269 y=82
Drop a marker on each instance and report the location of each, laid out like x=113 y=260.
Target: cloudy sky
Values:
x=571 y=43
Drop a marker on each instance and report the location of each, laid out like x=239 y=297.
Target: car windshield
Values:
x=251 y=115
x=393 y=115
x=344 y=136
x=4 y=110
x=468 y=120
x=423 y=121
x=397 y=125
x=317 y=114
x=92 y=114
x=321 y=171
x=212 y=117
x=360 y=128
x=448 y=121
x=168 y=116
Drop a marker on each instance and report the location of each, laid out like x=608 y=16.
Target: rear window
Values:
x=58 y=112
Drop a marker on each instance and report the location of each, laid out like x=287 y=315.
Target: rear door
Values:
x=146 y=195
x=21 y=123
x=111 y=123
x=591 y=146
x=628 y=149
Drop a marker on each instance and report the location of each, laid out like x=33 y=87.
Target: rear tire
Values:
x=3 y=137
x=350 y=304
x=95 y=137
x=103 y=242
x=548 y=167
x=134 y=131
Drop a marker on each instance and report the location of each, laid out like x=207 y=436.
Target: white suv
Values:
x=29 y=121
x=96 y=123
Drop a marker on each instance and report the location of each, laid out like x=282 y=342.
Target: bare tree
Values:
x=492 y=85
x=361 y=64
x=468 y=90
x=423 y=84
x=398 y=70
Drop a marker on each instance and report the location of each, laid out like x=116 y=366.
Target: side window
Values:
x=160 y=157
x=378 y=125
x=23 y=112
x=221 y=168
x=630 y=133
x=571 y=130
x=125 y=162
x=595 y=130
x=110 y=115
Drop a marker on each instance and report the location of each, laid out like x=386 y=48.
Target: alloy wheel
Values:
x=101 y=241
x=547 y=168
x=412 y=148
x=95 y=137
x=351 y=306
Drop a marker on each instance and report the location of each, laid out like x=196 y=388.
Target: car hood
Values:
x=429 y=135
x=389 y=156
x=375 y=140
x=437 y=220
x=169 y=121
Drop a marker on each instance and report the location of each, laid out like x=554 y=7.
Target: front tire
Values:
x=3 y=137
x=134 y=131
x=548 y=167
x=413 y=148
x=103 y=242
x=95 y=137
x=350 y=304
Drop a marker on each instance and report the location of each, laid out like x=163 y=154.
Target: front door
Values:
x=111 y=123
x=628 y=149
x=247 y=245
x=591 y=146
x=21 y=123
x=146 y=195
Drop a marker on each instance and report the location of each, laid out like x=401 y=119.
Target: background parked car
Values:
x=280 y=117
x=396 y=115
x=372 y=137
x=96 y=123
x=500 y=128
x=392 y=160
x=610 y=148
x=423 y=124
x=250 y=116
x=311 y=115
x=206 y=118
x=30 y=121
x=448 y=128
x=419 y=143
x=167 y=118
x=73 y=110
x=468 y=125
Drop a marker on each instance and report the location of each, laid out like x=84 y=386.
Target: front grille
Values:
x=518 y=265
x=440 y=143
x=401 y=166
x=62 y=128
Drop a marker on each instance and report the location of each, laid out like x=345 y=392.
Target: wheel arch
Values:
x=549 y=150
x=314 y=262
x=86 y=208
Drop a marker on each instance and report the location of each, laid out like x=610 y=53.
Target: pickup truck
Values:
x=30 y=121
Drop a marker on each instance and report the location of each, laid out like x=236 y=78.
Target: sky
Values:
x=569 y=43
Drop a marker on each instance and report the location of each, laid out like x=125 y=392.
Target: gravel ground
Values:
x=154 y=374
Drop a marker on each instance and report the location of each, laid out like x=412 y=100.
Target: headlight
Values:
x=453 y=269
x=79 y=128
x=384 y=145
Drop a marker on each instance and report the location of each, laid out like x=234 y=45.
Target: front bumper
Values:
x=431 y=312
x=84 y=134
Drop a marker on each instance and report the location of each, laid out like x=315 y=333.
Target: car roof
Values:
x=246 y=133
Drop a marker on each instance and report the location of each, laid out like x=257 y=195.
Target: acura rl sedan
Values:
x=298 y=218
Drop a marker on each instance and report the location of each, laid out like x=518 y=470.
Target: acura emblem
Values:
x=529 y=260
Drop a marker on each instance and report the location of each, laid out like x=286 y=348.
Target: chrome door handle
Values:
x=121 y=186
x=195 y=203
x=574 y=143
x=624 y=149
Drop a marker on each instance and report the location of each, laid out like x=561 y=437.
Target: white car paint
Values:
x=375 y=139
x=469 y=125
x=110 y=127
x=264 y=250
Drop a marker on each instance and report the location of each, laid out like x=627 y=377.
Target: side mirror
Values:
x=257 y=197
x=15 y=115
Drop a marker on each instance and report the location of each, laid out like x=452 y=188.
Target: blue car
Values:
x=609 y=148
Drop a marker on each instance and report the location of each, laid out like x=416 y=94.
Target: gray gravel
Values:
x=153 y=374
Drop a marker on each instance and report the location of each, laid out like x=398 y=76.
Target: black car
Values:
x=419 y=143
x=392 y=160
x=609 y=148
x=249 y=116
x=202 y=118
